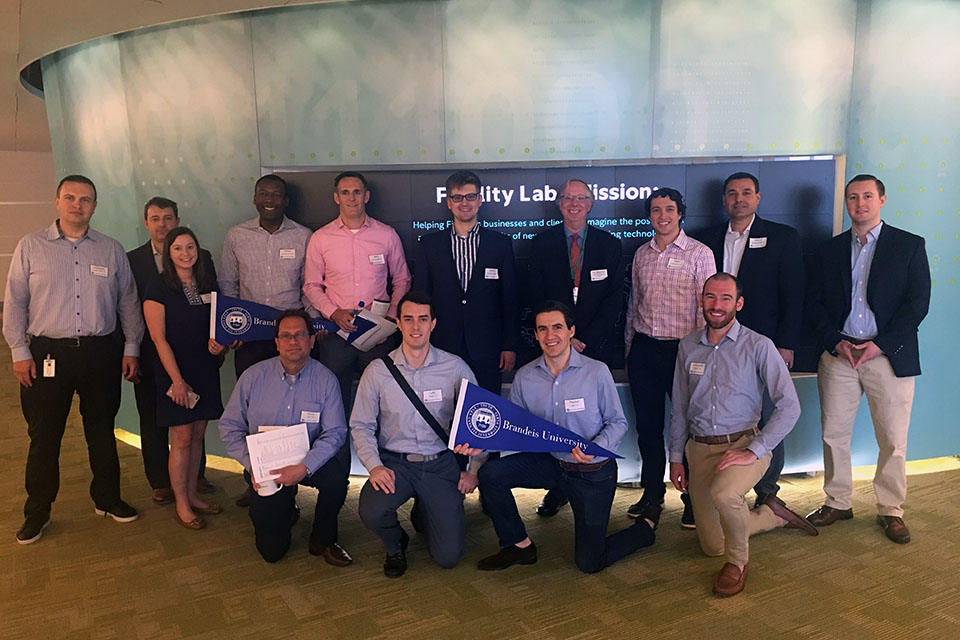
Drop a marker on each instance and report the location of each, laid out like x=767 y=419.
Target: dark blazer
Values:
x=772 y=279
x=485 y=318
x=898 y=292
x=144 y=271
x=600 y=302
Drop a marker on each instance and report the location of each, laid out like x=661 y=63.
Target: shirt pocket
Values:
x=310 y=413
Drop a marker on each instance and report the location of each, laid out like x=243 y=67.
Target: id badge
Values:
x=49 y=367
x=576 y=292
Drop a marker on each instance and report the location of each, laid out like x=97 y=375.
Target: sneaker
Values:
x=121 y=512
x=32 y=529
x=643 y=507
x=686 y=520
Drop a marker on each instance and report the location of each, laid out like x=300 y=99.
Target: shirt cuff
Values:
x=21 y=353
x=131 y=349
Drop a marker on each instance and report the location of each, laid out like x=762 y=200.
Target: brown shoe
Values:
x=828 y=515
x=196 y=524
x=333 y=554
x=794 y=520
x=205 y=487
x=212 y=509
x=894 y=528
x=731 y=580
x=163 y=496
x=244 y=500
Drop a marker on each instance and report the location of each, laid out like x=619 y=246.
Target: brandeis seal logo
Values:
x=235 y=320
x=483 y=420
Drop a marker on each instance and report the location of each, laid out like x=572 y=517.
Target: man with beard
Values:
x=718 y=385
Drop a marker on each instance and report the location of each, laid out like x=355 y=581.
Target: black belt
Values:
x=577 y=467
x=416 y=457
x=856 y=341
x=728 y=438
x=79 y=341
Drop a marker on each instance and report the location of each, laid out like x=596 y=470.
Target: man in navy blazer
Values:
x=159 y=217
x=588 y=279
x=870 y=291
x=470 y=274
x=766 y=257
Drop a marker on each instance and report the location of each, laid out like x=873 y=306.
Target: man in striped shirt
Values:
x=668 y=275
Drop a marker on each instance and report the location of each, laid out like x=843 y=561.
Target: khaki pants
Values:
x=890 y=400
x=724 y=522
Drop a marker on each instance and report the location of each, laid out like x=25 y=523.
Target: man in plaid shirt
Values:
x=668 y=275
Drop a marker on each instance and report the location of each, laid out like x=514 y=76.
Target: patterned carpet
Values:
x=89 y=577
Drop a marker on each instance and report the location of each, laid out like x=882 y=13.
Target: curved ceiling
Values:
x=34 y=28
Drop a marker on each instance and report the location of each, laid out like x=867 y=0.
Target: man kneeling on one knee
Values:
x=577 y=393
x=718 y=386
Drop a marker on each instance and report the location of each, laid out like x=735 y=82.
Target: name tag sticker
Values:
x=205 y=298
x=758 y=243
x=491 y=273
x=377 y=258
x=309 y=416
x=576 y=294
x=574 y=405
x=288 y=254
x=697 y=368
x=433 y=395
x=99 y=271
x=598 y=274
x=49 y=367
x=674 y=263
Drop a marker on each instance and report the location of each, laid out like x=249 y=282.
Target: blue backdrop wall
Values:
x=196 y=111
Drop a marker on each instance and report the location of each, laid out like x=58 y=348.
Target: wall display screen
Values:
x=520 y=202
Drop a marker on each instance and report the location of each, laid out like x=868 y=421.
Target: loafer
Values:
x=196 y=524
x=794 y=520
x=828 y=515
x=32 y=529
x=121 y=512
x=205 y=487
x=731 y=580
x=894 y=528
x=332 y=554
x=642 y=507
x=244 y=500
x=553 y=501
x=395 y=565
x=212 y=509
x=163 y=496
x=509 y=556
x=686 y=520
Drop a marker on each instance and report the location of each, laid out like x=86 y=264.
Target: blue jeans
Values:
x=591 y=496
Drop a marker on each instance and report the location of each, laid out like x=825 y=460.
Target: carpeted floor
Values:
x=90 y=577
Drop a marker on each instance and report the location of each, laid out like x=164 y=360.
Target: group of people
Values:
x=710 y=323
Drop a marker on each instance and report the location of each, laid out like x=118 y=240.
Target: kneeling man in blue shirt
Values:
x=577 y=393
x=289 y=389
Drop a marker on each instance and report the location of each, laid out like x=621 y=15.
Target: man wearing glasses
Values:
x=289 y=389
x=582 y=267
x=469 y=273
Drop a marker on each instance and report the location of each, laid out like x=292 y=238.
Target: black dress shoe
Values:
x=395 y=565
x=686 y=520
x=333 y=554
x=509 y=556
x=894 y=528
x=642 y=507
x=552 y=501
x=828 y=515
x=244 y=500
x=32 y=528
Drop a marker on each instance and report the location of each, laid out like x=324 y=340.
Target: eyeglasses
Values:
x=580 y=199
x=460 y=197
x=289 y=337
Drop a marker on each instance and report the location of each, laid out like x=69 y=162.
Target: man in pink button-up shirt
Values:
x=348 y=262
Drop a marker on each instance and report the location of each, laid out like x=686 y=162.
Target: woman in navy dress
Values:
x=176 y=308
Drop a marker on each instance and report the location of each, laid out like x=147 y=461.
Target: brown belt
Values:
x=574 y=466
x=728 y=438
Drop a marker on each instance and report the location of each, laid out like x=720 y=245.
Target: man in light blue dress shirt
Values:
x=719 y=381
x=404 y=456
x=282 y=391
x=577 y=393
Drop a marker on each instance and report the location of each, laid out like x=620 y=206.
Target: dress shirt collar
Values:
x=575 y=361
x=872 y=235
x=473 y=233
x=730 y=230
x=282 y=373
x=154 y=249
x=367 y=222
x=254 y=225
x=54 y=232
x=569 y=234
x=399 y=359
x=733 y=334
x=682 y=241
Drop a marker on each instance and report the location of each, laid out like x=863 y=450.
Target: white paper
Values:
x=374 y=336
x=277 y=448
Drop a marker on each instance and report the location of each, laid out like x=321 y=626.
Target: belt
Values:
x=78 y=341
x=728 y=438
x=655 y=339
x=416 y=457
x=857 y=341
x=575 y=466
